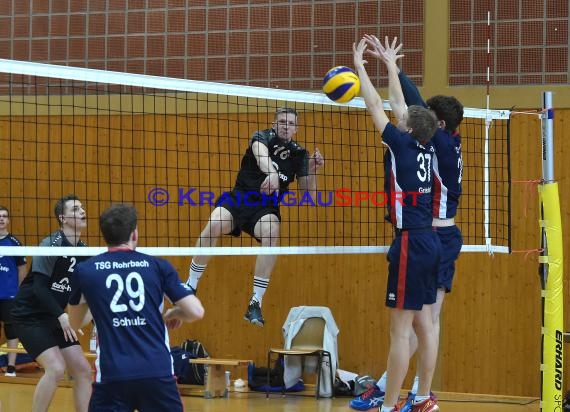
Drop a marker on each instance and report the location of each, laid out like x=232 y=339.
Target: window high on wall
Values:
x=528 y=42
x=272 y=43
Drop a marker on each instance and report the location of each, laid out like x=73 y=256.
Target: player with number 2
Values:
x=39 y=317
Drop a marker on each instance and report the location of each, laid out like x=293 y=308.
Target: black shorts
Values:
x=246 y=209
x=151 y=394
x=5 y=307
x=40 y=336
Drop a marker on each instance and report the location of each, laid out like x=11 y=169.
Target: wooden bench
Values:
x=65 y=382
x=88 y=355
x=215 y=385
x=216 y=379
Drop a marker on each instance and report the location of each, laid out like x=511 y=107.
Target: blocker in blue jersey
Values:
x=414 y=254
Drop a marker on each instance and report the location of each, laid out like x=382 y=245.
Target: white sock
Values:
x=415 y=385
x=420 y=399
x=382 y=382
x=259 y=287
x=387 y=408
x=194 y=274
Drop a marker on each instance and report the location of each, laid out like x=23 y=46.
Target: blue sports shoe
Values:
x=407 y=407
x=372 y=398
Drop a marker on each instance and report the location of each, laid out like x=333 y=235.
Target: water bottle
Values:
x=93 y=339
x=228 y=380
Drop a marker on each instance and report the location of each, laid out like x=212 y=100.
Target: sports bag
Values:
x=186 y=372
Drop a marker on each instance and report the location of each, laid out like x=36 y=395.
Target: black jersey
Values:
x=289 y=159
x=27 y=305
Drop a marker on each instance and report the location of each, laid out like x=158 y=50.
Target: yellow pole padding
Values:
x=553 y=338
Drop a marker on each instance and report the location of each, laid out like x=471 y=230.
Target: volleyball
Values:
x=341 y=84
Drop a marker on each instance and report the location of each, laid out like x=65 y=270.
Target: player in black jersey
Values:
x=39 y=315
x=271 y=162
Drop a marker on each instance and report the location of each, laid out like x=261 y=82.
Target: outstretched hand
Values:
x=375 y=46
x=358 y=51
x=316 y=161
x=388 y=53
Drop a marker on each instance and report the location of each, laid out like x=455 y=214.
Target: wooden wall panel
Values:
x=491 y=321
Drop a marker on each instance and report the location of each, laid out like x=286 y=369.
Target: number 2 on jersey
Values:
x=134 y=294
x=72 y=263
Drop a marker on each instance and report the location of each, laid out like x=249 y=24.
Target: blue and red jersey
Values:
x=408 y=167
x=125 y=292
x=448 y=163
x=448 y=169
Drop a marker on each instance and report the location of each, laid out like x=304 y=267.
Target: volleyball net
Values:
x=170 y=147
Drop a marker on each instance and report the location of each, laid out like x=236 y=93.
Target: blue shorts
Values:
x=412 y=269
x=451 y=242
x=144 y=395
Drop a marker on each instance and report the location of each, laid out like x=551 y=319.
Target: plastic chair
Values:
x=307 y=342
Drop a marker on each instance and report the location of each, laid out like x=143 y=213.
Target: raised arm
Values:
x=368 y=92
x=410 y=91
x=397 y=102
x=388 y=53
x=390 y=56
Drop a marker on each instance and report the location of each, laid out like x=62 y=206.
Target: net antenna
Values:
x=488 y=120
x=112 y=137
